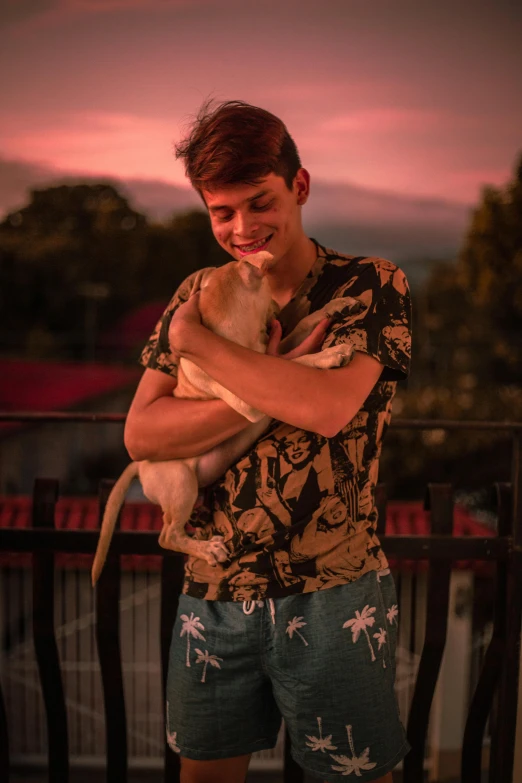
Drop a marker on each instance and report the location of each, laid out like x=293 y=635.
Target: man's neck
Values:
x=290 y=271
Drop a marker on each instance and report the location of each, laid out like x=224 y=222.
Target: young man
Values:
x=301 y=620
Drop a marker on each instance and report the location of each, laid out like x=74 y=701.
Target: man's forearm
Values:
x=284 y=390
x=172 y=428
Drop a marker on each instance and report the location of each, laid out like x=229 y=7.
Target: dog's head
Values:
x=235 y=299
x=253 y=268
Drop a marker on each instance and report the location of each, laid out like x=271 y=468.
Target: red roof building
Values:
x=54 y=386
x=60 y=450
x=131 y=333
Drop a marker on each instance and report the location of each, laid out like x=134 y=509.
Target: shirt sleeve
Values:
x=382 y=326
x=156 y=355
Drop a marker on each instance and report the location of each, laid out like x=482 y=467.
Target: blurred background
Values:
x=407 y=115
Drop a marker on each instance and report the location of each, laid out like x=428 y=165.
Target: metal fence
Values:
x=71 y=697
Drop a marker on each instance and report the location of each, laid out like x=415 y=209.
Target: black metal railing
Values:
x=497 y=684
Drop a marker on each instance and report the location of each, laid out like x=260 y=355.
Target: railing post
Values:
x=46 y=650
x=482 y=701
x=109 y=653
x=440 y=503
x=503 y=738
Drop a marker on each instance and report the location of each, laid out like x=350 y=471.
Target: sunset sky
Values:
x=418 y=98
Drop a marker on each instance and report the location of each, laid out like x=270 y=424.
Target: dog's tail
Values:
x=110 y=515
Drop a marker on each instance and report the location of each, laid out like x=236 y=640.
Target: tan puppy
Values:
x=235 y=302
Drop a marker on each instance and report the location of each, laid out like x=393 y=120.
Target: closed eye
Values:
x=262 y=207
x=254 y=207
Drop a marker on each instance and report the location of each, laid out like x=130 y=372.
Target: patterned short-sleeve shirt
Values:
x=297 y=512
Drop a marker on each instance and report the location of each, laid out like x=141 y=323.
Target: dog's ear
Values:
x=249 y=274
x=199 y=279
x=262 y=261
x=254 y=267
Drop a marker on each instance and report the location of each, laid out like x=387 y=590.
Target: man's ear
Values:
x=302 y=185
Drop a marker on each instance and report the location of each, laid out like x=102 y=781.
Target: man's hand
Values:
x=311 y=344
x=186 y=317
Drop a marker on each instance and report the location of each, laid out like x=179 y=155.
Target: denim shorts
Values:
x=324 y=661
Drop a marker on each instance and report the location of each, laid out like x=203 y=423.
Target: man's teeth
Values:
x=255 y=245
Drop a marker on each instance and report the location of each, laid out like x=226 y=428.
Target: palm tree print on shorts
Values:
x=293 y=625
x=320 y=743
x=355 y=763
x=172 y=735
x=190 y=627
x=359 y=623
x=381 y=638
x=392 y=613
x=204 y=657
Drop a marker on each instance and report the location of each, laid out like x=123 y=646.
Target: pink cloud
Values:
x=127 y=145
x=121 y=144
x=386 y=120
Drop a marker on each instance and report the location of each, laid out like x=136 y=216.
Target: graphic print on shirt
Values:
x=297 y=512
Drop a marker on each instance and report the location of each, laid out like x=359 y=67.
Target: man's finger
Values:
x=315 y=339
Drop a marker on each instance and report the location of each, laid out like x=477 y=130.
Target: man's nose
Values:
x=245 y=225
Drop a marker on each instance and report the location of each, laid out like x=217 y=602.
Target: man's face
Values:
x=267 y=216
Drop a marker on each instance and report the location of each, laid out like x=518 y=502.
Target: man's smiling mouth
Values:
x=254 y=246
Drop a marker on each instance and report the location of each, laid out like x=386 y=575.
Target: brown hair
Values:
x=236 y=143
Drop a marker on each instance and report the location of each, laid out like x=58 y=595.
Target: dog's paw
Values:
x=214 y=551
x=335 y=356
x=344 y=354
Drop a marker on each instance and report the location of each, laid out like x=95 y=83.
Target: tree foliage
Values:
x=77 y=258
x=467 y=359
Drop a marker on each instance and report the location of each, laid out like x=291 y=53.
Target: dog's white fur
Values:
x=235 y=302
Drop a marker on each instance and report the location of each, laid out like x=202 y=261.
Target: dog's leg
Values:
x=173 y=536
x=308 y=324
x=215 y=463
x=238 y=405
x=173 y=485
